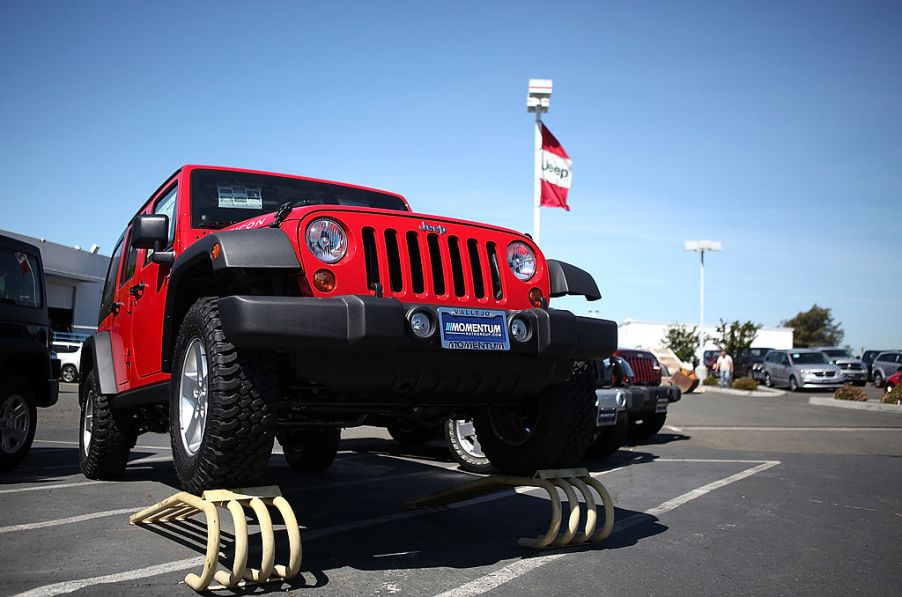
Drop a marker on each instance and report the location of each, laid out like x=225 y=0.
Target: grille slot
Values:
x=476 y=267
x=394 y=260
x=496 y=271
x=435 y=260
x=371 y=257
x=416 y=263
x=457 y=268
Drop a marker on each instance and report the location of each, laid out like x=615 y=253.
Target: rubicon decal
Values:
x=433 y=228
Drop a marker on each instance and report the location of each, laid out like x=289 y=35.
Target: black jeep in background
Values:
x=26 y=373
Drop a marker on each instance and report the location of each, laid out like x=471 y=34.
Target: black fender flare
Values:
x=568 y=279
x=261 y=248
x=97 y=354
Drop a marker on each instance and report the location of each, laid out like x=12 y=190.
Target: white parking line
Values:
x=71 y=586
x=492 y=580
x=519 y=568
x=50 y=523
x=792 y=429
x=49 y=486
x=166 y=448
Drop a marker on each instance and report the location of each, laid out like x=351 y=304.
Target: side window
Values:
x=130 y=262
x=19 y=279
x=110 y=285
x=165 y=206
x=784 y=359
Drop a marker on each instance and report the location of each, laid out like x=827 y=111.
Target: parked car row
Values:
x=805 y=368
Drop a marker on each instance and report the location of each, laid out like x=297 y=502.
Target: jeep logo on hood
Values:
x=430 y=228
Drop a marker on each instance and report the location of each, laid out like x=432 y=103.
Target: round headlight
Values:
x=521 y=260
x=327 y=240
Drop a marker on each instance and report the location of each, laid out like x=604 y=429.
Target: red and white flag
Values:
x=557 y=172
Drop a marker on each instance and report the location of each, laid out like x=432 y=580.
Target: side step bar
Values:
x=184 y=505
x=550 y=480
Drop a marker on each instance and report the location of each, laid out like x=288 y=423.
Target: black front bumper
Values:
x=363 y=346
x=364 y=323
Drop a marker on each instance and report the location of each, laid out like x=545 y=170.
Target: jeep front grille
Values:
x=431 y=265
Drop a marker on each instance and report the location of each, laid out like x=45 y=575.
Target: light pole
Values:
x=538 y=101
x=700 y=246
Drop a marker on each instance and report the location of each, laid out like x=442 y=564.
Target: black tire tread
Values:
x=15 y=384
x=564 y=431
x=112 y=436
x=241 y=418
x=310 y=450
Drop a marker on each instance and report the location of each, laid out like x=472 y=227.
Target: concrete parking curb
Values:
x=879 y=406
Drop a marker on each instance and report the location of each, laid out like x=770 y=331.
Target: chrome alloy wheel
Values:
x=466 y=436
x=15 y=421
x=87 y=425
x=193 y=391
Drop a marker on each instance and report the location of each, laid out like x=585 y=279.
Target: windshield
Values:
x=221 y=198
x=836 y=353
x=19 y=279
x=808 y=358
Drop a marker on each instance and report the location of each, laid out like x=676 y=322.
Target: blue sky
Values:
x=774 y=127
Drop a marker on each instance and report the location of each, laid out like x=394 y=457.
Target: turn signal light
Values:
x=535 y=298
x=324 y=280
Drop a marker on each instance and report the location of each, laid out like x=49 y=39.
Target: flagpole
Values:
x=537 y=183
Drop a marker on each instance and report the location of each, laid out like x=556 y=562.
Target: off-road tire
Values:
x=411 y=434
x=69 y=374
x=310 y=450
x=112 y=434
x=650 y=425
x=467 y=460
x=17 y=391
x=241 y=418
x=562 y=427
x=609 y=439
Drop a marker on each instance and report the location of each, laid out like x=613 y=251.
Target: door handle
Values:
x=137 y=289
x=115 y=307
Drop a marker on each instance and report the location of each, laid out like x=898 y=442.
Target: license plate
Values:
x=473 y=329
x=606 y=416
x=661 y=406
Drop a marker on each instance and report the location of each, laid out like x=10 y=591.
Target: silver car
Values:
x=854 y=370
x=885 y=365
x=801 y=368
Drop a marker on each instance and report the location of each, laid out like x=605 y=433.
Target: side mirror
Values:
x=150 y=231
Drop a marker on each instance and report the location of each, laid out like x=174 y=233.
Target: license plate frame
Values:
x=481 y=330
x=661 y=405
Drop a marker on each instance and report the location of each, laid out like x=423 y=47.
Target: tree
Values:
x=815 y=327
x=682 y=341
x=735 y=338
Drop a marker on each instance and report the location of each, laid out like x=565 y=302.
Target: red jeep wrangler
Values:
x=243 y=306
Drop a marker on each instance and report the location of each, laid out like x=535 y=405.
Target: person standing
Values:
x=724 y=366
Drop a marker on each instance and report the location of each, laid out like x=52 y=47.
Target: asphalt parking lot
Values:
x=736 y=496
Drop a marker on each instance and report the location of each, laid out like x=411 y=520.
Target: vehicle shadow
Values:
x=60 y=464
x=659 y=439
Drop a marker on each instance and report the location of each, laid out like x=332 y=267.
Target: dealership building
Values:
x=651 y=334
x=74 y=284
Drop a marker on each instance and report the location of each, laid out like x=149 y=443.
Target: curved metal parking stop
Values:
x=565 y=480
x=184 y=505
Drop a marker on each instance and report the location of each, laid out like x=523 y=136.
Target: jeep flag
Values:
x=557 y=171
